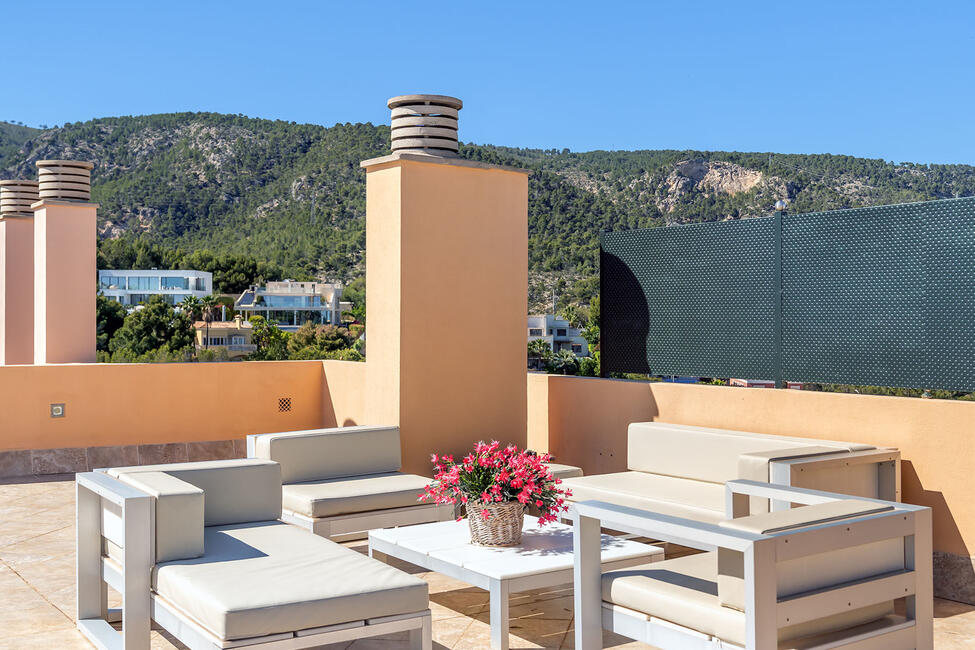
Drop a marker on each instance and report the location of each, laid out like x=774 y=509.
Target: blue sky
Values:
x=890 y=80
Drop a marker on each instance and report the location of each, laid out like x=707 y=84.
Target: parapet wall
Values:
x=114 y=405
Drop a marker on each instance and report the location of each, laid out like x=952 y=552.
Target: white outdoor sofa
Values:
x=822 y=575
x=198 y=548
x=340 y=483
x=681 y=470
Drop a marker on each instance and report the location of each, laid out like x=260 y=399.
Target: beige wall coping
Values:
x=437 y=160
x=43 y=203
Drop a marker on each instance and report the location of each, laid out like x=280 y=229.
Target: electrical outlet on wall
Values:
x=57 y=410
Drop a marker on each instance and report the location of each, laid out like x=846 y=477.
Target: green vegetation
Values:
x=324 y=342
x=12 y=138
x=310 y=341
x=251 y=200
x=271 y=342
x=110 y=316
x=157 y=332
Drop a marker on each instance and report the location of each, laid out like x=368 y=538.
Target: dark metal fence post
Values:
x=777 y=297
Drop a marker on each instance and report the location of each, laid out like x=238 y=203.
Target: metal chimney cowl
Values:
x=64 y=180
x=424 y=124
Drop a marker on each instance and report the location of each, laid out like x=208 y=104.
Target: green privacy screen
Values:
x=876 y=296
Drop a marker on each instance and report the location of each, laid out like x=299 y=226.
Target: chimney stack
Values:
x=426 y=210
x=424 y=124
x=64 y=263
x=17 y=271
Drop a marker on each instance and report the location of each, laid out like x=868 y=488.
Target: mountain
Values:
x=13 y=137
x=293 y=195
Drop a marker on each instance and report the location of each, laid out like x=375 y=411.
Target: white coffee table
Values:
x=543 y=559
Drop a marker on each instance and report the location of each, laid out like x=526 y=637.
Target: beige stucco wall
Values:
x=16 y=290
x=586 y=423
x=124 y=404
x=344 y=394
x=446 y=244
x=64 y=282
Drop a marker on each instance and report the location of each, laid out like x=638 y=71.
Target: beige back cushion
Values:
x=814 y=571
x=705 y=454
x=179 y=514
x=234 y=491
x=332 y=453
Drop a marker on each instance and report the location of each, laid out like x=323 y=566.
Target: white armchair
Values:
x=827 y=573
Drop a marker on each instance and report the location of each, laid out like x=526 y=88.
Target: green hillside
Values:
x=290 y=198
x=12 y=138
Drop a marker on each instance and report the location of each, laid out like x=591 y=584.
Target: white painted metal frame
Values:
x=793 y=471
x=499 y=589
x=123 y=515
x=343 y=528
x=765 y=613
x=111 y=510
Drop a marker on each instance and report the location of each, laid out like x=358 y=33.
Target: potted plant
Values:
x=495 y=484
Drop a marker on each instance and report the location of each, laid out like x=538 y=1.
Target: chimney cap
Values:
x=424 y=124
x=65 y=163
x=443 y=100
x=16 y=197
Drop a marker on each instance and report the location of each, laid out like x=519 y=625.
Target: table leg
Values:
x=499 y=615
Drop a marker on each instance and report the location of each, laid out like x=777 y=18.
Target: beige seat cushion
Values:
x=331 y=453
x=269 y=577
x=564 y=471
x=179 y=514
x=684 y=591
x=235 y=491
x=667 y=495
x=340 y=496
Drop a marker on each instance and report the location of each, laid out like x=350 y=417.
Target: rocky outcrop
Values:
x=709 y=177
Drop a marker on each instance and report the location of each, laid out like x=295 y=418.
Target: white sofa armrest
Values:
x=108 y=509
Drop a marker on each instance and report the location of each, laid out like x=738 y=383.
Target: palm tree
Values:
x=191 y=306
x=573 y=315
x=208 y=307
x=565 y=362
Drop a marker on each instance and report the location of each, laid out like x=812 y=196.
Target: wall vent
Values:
x=284 y=404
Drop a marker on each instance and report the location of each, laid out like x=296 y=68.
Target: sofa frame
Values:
x=353 y=526
x=764 y=611
x=791 y=472
x=110 y=510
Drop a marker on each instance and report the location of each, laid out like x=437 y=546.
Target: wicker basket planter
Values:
x=502 y=526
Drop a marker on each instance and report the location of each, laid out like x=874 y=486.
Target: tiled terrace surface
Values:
x=37 y=600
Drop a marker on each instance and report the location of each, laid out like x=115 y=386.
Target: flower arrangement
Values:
x=493 y=477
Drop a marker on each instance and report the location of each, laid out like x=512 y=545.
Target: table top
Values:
x=542 y=549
